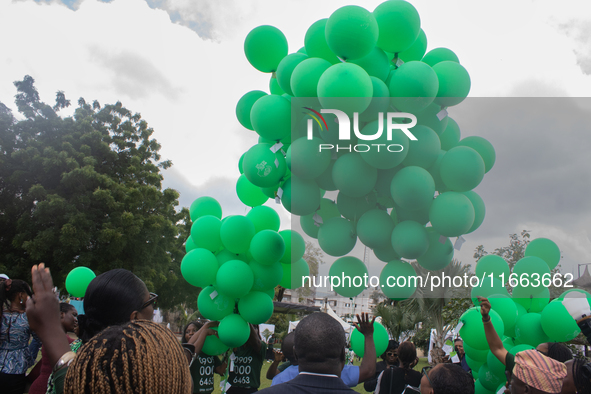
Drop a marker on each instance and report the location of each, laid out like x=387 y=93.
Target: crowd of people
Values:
x=118 y=349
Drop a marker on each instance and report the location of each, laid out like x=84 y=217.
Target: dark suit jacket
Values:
x=310 y=384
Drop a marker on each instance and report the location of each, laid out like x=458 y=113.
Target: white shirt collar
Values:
x=318 y=374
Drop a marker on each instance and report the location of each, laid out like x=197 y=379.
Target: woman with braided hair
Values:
x=137 y=357
x=578 y=377
x=395 y=380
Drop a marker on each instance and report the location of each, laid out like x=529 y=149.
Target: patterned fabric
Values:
x=74 y=346
x=539 y=371
x=16 y=353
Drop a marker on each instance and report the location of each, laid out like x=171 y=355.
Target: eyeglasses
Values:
x=153 y=300
x=391 y=354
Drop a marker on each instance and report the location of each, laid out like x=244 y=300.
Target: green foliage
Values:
x=398 y=319
x=87 y=191
x=281 y=322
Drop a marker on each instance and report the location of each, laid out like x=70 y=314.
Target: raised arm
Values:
x=494 y=342
x=272 y=371
x=198 y=339
x=367 y=369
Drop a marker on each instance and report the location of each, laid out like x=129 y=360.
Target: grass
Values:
x=266 y=382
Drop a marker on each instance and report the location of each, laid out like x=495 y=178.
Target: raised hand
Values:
x=363 y=324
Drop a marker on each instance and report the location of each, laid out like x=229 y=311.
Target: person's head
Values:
x=447 y=379
x=407 y=353
x=536 y=373
x=69 y=317
x=114 y=297
x=191 y=329
x=319 y=343
x=459 y=347
x=555 y=350
x=578 y=378
x=287 y=348
x=14 y=292
x=136 y=357
x=390 y=356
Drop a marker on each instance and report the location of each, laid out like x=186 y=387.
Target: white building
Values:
x=344 y=307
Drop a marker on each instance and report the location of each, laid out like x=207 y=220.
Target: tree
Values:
x=397 y=318
x=87 y=191
x=313 y=256
x=266 y=334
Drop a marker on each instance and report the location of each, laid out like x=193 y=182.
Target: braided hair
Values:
x=582 y=375
x=137 y=357
x=9 y=289
x=559 y=352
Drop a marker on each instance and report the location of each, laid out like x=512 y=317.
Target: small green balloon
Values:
x=305 y=158
x=413 y=188
x=294 y=274
x=557 y=323
x=328 y=209
x=324 y=180
x=528 y=330
x=346 y=87
x=255 y=307
x=78 y=280
x=489 y=380
x=285 y=70
x=244 y=107
x=225 y=255
x=351 y=267
x=300 y=196
x=264 y=218
x=385 y=157
x=216 y=307
x=266 y=276
x=205 y=233
x=213 y=346
x=233 y=331
x=234 y=279
x=264 y=48
x=295 y=246
x=353 y=208
x=315 y=43
x=274 y=87
x=484 y=149
x=439 y=254
x=496 y=367
x=351 y=32
x=399 y=25
x=475 y=366
x=305 y=76
x=309 y=226
x=375 y=228
x=410 y=239
x=454 y=83
x=417 y=49
x=462 y=169
x=439 y=55
x=397 y=280
x=236 y=233
x=262 y=166
x=430 y=117
x=375 y=63
x=267 y=247
x=413 y=87
x=199 y=267
x=479 y=209
x=424 y=151
x=380 y=339
x=476 y=354
x=189 y=245
x=450 y=137
x=473 y=329
x=545 y=249
x=271 y=117
x=435 y=171
x=386 y=254
x=420 y=216
x=533 y=299
x=379 y=105
x=249 y=194
x=336 y=237
x=451 y=214
x=493 y=264
x=353 y=176
x=205 y=206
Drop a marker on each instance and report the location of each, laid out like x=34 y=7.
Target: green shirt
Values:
x=283 y=366
x=247 y=366
x=202 y=370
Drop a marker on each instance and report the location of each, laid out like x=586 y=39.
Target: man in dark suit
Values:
x=320 y=350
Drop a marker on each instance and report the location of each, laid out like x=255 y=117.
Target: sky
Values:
x=181 y=64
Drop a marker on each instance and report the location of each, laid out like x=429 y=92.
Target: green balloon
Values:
x=375 y=228
x=295 y=246
x=234 y=279
x=454 y=83
x=533 y=299
x=305 y=158
x=255 y=307
x=396 y=280
x=233 y=331
x=324 y=180
x=424 y=151
x=205 y=206
x=439 y=55
x=244 y=107
x=477 y=355
x=439 y=254
x=420 y=216
x=410 y=239
x=266 y=276
x=249 y=194
x=78 y=280
x=274 y=87
x=353 y=176
x=473 y=329
x=487 y=288
x=353 y=208
x=343 y=268
x=451 y=214
x=429 y=117
x=531 y=265
x=315 y=42
x=385 y=157
x=380 y=339
x=264 y=48
x=493 y=264
x=351 y=32
x=450 y=137
x=216 y=307
x=484 y=149
x=205 y=233
x=189 y=245
x=271 y=117
x=557 y=323
x=386 y=254
x=264 y=218
x=337 y=237
x=545 y=249
x=262 y=166
x=375 y=63
x=236 y=233
x=529 y=330
x=294 y=274
x=379 y=105
x=305 y=76
x=488 y=379
x=309 y=226
x=413 y=87
x=399 y=25
x=346 y=87
x=479 y=209
x=285 y=70
x=300 y=197
x=474 y=366
x=328 y=209
x=462 y=169
x=417 y=49
x=225 y=255
x=435 y=171
x=413 y=188
x=267 y=247
x=199 y=267
x=213 y=346
x=478 y=387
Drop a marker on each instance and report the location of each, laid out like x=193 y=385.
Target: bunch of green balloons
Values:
x=238 y=261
